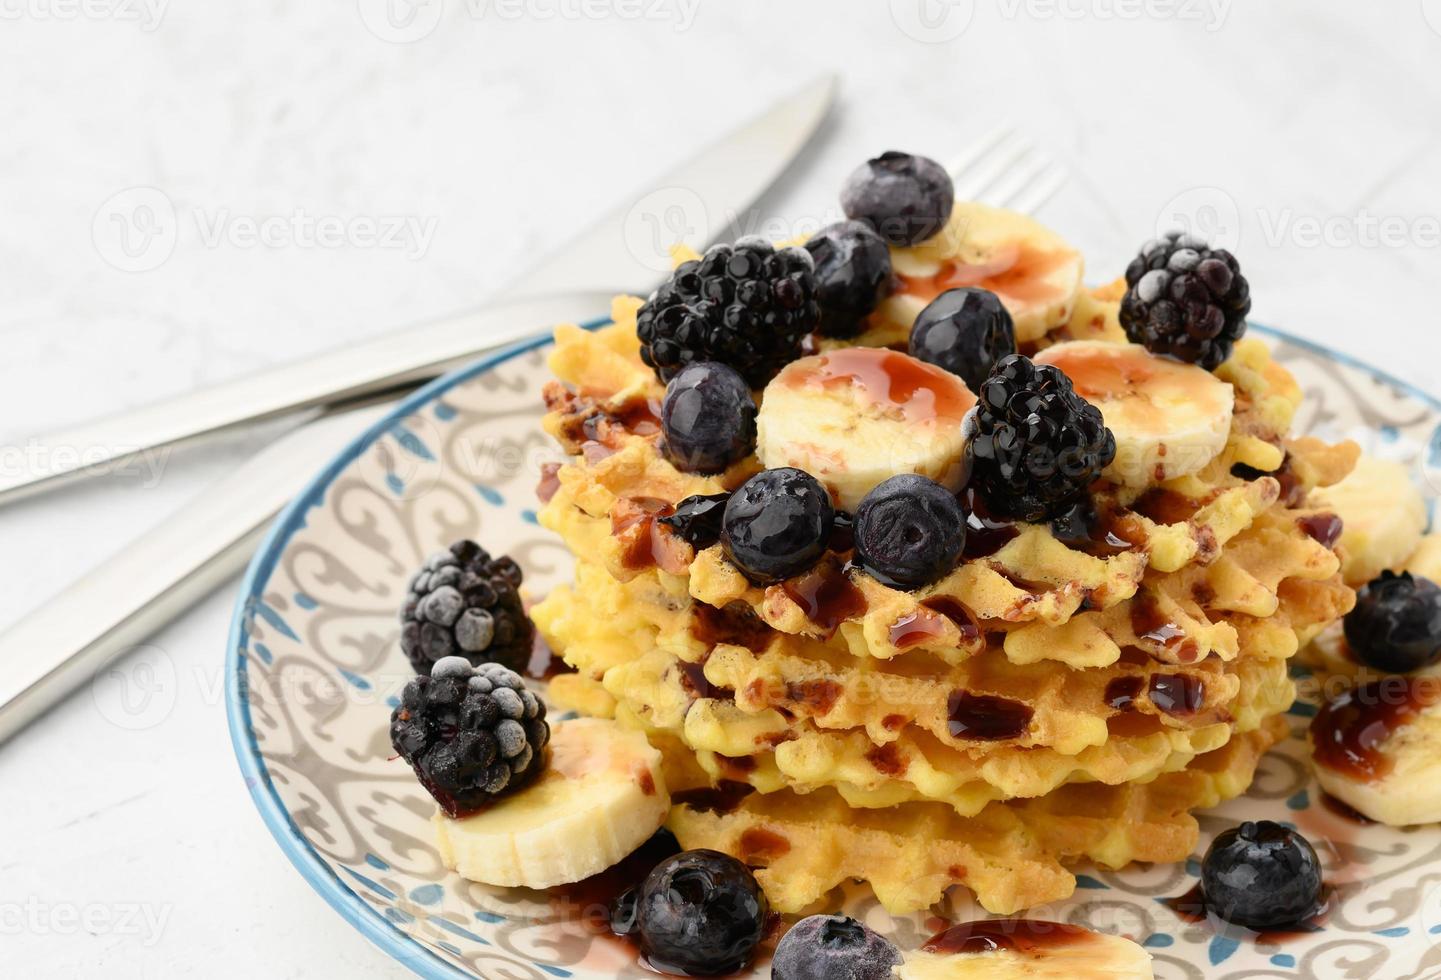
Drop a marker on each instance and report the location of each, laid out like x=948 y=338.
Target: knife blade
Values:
x=626 y=251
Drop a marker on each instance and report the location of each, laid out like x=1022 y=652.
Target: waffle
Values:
x=1012 y=855
x=1047 y=702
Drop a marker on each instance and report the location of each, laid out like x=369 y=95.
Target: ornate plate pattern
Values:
x=314 y=667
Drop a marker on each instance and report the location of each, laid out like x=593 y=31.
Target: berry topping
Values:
x=708 y=417
x=906 y=198
x=1033 y=445
x=698 y=519
x=966 y=331
x=833 y=947
x=746 y=305
x=777 y=525
x=466 y=603
x=1185 y=300
x=909 y=532
x=700 y=913
x=853 y=275
x=1262 y=876
x=471 y=734
x=1396 y=625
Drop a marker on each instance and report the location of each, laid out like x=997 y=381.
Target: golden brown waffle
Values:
x=1012 y=855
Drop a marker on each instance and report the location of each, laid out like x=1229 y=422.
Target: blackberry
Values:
x=1185 y=300
x=1033 y=446
x=1396 y=625
x=904 y=197
x=698 y=519
x=466 y=603
x=853 y=275
x=470 y=733
x=746 y=305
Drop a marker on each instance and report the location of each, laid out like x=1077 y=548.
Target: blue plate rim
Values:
x=312 y=867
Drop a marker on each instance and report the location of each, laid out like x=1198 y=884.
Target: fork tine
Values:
x=993 y=168
x=968 y=158
x=1020 y=177
x=1041 y=191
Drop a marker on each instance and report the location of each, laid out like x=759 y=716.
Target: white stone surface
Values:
x=501 y=129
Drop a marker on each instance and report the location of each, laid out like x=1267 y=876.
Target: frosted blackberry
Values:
x=471 y=734
x=1034 y=446
x=1185 y=300
x=465 y=603
x=745 y=305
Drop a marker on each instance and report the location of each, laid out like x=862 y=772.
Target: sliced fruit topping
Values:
x=853 y=275
x=1034 y=446
x=778 y=524
x=998 y=948
x=601 y=798
x=1186 y=300
x=1169 y=419
x=698 y=519
x=1034 y=272
x=1396 y=625
x=1262 y=875
x=859 y=416
x=700 y=913
x=909 y=532
x=827 y=947
x=472 y=734
x=708 y=418
x=966 y=331
x=906 y=198
x=466 y=603
x=1383 y=514
x=747 y=305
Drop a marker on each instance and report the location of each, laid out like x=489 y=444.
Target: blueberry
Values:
x=1396 y=625
x=966 y=331
x=853 y=275
x=777 y=525
x=833 y=947
x=905 y=198
x=700 y=913
x=909 y=531
x=698 y=519
x=708 y=417
x=1262 y=876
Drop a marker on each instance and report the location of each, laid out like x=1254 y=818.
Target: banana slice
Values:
x=602 y=796
x=1170 y=419
x=1377 y=748
x=1025 y=950
x=1384 y=516
x=1035 y=272
x=1425 y=561
x=858 y=416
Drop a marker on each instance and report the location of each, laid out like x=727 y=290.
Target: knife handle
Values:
x=390 y=362
x=70 y=639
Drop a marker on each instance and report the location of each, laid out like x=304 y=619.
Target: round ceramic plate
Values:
x=315 y=666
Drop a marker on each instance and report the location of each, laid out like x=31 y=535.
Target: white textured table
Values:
x=1303 y=133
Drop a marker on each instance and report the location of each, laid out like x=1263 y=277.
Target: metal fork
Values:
x=1003 y=169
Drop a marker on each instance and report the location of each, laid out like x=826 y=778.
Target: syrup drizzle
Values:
x=1178 y=695
x=1324 y=529
x=1016 y=935
x=827 y=596
x=986 y=718
x=1351 y=731
x=986 y=534
x=923 y=393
